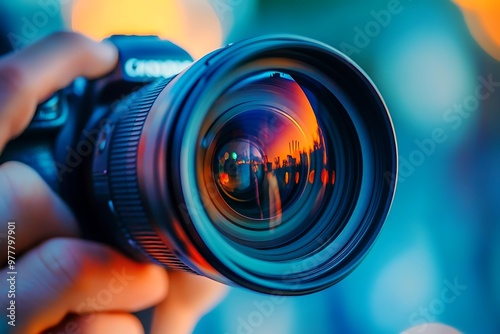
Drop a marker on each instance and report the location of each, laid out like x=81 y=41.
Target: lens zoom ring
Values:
x=123 y=180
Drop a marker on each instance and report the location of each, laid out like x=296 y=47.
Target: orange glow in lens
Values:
x=324 y=176
x=224 y=178
x=311 y=177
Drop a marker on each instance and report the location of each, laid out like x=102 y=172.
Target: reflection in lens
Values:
x=264 y=121
x=268 y=160
x=240 y=174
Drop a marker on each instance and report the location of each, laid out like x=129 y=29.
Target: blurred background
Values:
x=436 y=265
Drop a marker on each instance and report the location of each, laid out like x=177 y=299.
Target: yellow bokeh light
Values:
x=483 y=19
x=192 y=24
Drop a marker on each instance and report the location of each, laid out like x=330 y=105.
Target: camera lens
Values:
x=269 y=164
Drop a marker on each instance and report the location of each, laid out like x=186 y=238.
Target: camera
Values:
x=269 y=163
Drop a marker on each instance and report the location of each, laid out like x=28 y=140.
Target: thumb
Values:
x=190 y=297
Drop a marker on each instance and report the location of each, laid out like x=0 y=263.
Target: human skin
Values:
x=62 y=279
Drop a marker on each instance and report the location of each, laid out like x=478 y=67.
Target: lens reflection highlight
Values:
x=268 y=153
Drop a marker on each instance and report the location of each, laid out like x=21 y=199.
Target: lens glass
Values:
x=283 y=162
x=271 y=164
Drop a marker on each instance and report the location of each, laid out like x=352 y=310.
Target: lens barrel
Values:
x=267 y=164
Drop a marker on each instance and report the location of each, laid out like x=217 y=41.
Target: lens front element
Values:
x=284 y=157
x=268 y=158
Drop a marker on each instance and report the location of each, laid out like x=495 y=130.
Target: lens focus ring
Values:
x=126 y=200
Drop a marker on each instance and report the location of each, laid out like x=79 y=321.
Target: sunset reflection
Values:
x=270 y=152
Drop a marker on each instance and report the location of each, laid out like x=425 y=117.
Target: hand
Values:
x=65 y=284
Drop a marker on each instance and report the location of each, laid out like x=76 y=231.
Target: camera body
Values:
x=68 y=129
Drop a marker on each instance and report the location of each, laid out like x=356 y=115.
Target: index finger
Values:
x=31 y=75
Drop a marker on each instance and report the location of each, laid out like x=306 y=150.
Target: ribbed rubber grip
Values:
x=123 y=179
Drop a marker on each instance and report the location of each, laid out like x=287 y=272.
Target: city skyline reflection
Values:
x=270 y=154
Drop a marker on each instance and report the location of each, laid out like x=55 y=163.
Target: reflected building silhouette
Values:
x=264 y=189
